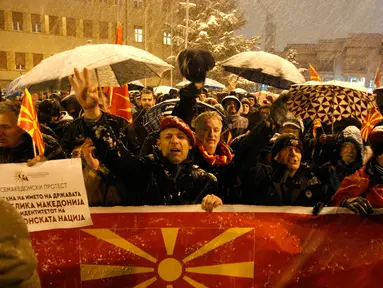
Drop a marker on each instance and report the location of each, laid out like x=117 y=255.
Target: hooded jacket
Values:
x=238 y=124
x=335 y=171
x=17 y=259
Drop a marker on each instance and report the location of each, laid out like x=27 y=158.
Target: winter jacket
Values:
x=24 y=151
x=238 y=124
x=81 y=129
x=136 y=133
x=103 y=188
x=332 y=173
x=366 y=182
x=153 y=180
x=226 y=174
x=60 y=124
x=270 y=185
x=17 y=259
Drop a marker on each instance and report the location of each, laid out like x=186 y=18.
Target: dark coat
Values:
x=227 y=176
x=136 y=133
x=81 y=129
x=153 y=180
x=24 y=151
x=270 y=185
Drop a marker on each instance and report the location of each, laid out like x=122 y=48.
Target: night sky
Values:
x=306 y=21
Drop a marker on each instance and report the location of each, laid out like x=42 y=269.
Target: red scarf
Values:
x=224 y=159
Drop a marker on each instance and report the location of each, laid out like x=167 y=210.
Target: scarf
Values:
x=224 y=158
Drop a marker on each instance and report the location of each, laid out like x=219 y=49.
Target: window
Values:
x=138 y=3
x=138 y=34
x=103 y=1
x=17 y=20
x=167 y=38
x=36 y=23
x=104 y=30
x=54 y=27
x=37 y=58
x=70 y=27
x=20 y=61
x=3 y=60
x=2 y=20
x=356 y=64
x=88 y=29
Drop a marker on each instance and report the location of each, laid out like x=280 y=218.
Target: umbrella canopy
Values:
x=152 y=118
x=209 y=83
x=136 y=85
x=330 y=101
x=163 y=89
x=115 y=64
x=240 y=91
x=265 y=68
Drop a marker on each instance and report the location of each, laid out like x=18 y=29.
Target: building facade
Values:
x=31 y=31
x=352 y=59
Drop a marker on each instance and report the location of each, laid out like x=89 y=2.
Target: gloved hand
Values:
x=189 y=92
x=358 y=205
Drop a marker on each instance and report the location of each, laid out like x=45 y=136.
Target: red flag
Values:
x=373 y=117
x=314 y=76
x=317 y=124
x=28 y=121
x=253 y=246
x=377 y=78
x=119 y=34
x=120 y=102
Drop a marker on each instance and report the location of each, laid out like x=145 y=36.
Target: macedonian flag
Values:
x=314 y=76
x=373 y=117
x=28 y=121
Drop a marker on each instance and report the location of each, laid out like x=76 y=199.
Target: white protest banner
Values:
x=49 y=195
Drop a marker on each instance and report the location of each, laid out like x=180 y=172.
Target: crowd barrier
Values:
x=235 y=246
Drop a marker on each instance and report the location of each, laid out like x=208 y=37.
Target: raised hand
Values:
x=86 y=92
x=87 y=153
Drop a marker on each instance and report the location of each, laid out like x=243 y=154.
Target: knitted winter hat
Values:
x=376 y=140
x=286 y=140
x=175 y=122
x=351 y=134
x=193 y=64
x=245 y=101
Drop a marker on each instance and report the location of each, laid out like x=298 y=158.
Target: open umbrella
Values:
x=209 y=83
x=110 y=65
x=330 y=101
x=265 y=68
x=163 y=89
x=152 y=118
x=136 y=85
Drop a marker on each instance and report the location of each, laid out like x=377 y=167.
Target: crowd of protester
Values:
x=270 y=158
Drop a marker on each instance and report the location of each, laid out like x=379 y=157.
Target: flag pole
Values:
x=34 y=148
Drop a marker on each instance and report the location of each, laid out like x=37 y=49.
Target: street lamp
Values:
x=187 y=6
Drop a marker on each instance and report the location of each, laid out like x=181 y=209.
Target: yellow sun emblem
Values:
x=168 y=269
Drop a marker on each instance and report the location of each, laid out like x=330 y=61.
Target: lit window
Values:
x=2 y=20
x=138 y=34
x=36 y=21
x=20 y=61
x=17 y=20
x=3 y=60
x=167 y=38
x=138 y=3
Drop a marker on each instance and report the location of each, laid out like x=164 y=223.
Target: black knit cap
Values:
x=193 y=64
x=286 y=140
x=376 y=140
